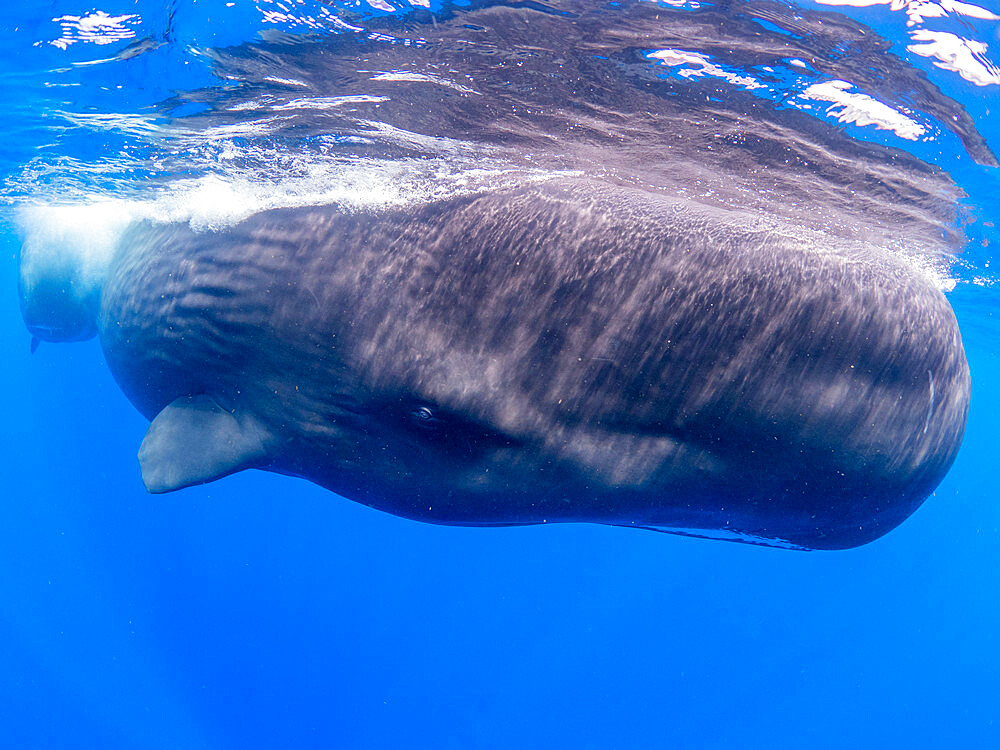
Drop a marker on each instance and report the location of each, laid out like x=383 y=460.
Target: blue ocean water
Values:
x=261 y=611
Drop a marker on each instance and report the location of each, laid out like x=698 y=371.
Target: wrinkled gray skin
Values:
x=568 y=351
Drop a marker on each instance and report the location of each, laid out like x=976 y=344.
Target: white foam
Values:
x=93 y=227
x=217 y=201
x=73 y=244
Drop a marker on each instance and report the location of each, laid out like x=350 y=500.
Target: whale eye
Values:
x=450 y=431
x=424 y=416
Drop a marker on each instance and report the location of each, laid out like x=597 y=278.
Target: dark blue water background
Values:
x=261 y=611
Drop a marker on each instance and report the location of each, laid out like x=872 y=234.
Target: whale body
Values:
x=567 y=350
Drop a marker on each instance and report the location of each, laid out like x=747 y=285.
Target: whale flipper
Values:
x=194 y=440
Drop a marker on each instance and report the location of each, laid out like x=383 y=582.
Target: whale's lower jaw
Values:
x=816 y=520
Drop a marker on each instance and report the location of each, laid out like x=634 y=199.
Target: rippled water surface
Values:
x=263 y=612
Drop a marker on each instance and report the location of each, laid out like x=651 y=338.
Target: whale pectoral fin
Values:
x=193 y=441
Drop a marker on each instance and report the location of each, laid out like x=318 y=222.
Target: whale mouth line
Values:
x=59 y=334
x=722 y=535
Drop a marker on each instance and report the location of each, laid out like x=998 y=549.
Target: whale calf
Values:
x=564 y=350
